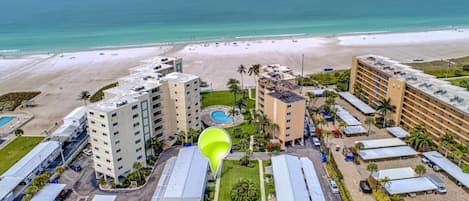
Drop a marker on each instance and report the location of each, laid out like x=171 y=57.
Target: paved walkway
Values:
x=261 y=176
x=217 y=189
x=454 y=78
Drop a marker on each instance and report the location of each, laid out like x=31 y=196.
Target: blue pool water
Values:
x=220 y=117
x=5 y=120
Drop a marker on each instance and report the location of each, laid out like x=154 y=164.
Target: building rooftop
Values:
x=287 y=96
x=395 y=173
x=387 y=152
x=357 y=103
x=277 y=71
x=188 y=177
x=289 y=179
x=77 y=114
x=442 y=91
x=379 y=143
x=110 y=104
x=104 y=197
x=448 y=166
x=65 y=130
x=155 y=64
x=49 y=192
x=179 y=77
x=411 y=185
x=398 y=132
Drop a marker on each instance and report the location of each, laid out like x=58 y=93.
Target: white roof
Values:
x=104 y=197
x=49 y=192
x=65 y=130
x=164 y=179
x=388 y=152
x=349 y=119
x=188 y=177
x=379 y=143
x=357 y=103
x=312 y=180
x=77 y=114
x=32 y=160
x=411 y=185
x=398 y=132
x=395 y=173
x=289 y=179
x=448 y=166
x=352 y=130
x=7 y=185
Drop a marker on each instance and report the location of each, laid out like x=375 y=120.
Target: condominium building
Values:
x=147 y=105
x=278 y=98
x=420 y=99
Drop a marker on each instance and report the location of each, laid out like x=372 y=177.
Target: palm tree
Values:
x=420 y=170
x=321 y=122
x=372 y=167
x=254 y=71
x=241 y=103
x=233 y=85
x=84 y=95
x=241 y=70
x=262 y=121
x=457 y=155
x=369 y=121
x=342 y=125
x=359 y=145
x=101 y=181
x=384 y=108
x=19 y=132
x=59 y=170
x=237 y=132
x=137 y=166
x=312 y=98
x=193 y=134
x=273 y=128
x=326 y=135
x=419 y=138
x=182 y=135
x=464 y=84
x=396 y=198
x=384 y=181
x=244 y=190
x=243 y=143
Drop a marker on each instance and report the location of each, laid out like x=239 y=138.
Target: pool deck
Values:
x=19 y=120
x=207 y=119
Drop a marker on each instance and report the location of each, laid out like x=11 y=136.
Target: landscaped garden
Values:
x=9 y=101
x=233 y=172
x=99 y=95
x=458 y=67
x=340 y=78
x=463 y=82
x=14 y=151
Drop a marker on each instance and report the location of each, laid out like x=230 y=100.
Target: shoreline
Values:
x=13 y=54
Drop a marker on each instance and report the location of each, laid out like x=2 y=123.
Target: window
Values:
x=196 y=117
x=189 y=107
x=114 y=124
x=109 y=169
x=288 y=113
x=288 y=128
x=92 y=122
x=288 y=120
x=119 y=159
x=102 y=116
x=99 y=165
x=96 y=148
x=94 y=139
x=289 y=106
x=136 y=124
x=91 y=113
x=137 y=133
x=120 y=167
x=188 y=93
x=188 y=85
x=135 y=116
x=137 y=141
x=139 y=149
x=190 y=121
x=107 y=160
x=105 y=143
x=134 y=107
x=93 y=131
x=98 y=157
x=104 y=134
x=102 y=125
x=116 y=133
x=288 y=134
x=139 y=157
x=107 y=152
x=119 y=150
x=118 y=141
x=114 y=115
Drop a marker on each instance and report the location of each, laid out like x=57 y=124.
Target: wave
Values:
x=8 y=51
x=270 y=36
x=363 y=32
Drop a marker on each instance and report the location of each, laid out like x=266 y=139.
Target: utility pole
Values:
x=447 y=69
x=302 y=73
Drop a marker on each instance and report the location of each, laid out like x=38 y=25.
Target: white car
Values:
x=88 y=151
x=316 y=142
x=334 y=187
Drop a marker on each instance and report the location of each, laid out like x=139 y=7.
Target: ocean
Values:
x=63 y=25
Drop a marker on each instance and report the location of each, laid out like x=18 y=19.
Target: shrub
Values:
x=465 y=67
x=10 y=101
x=457 y=73
x=99 y=95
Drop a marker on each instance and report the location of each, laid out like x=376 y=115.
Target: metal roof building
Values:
x=412 y=185
x=398 y=132
x=77 y=116
x=104 y=197
x=289 y=180
x=388 y=152
x=379 y=143
x=26 y=168
x=357 y=103
x=49 y=192
x=354 y=130
x=448 y=166
x=312 y=180
x=188 y=177
x=345 y=116
x=395 y=173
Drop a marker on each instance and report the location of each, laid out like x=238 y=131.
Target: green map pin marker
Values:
x=215 y=144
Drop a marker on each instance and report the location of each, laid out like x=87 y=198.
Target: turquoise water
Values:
x=56 y=25
x=220 y=117
x=5 y=120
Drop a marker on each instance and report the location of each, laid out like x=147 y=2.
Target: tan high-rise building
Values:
x=420 y=99
x=145 y=104
x=278 y=98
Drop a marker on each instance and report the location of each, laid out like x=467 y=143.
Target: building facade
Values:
x=420 y=99
x=278 y=97
x=149 y=104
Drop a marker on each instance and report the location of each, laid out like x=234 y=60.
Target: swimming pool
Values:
x=5 y=120
x=220 y=117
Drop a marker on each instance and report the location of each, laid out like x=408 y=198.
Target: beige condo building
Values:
x=419 y=98
x=153 y=102
x=278 y=97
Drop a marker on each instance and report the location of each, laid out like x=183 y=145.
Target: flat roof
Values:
x=354 y=130
x=164 y=179
x=287 y=96
x=65 y=130
x=357 y=103
x=289 y=180
x=180 y=77
x=32 y=160
x=395 y=173
x=448 y=166
x=312 y=181
x=349 y=119
x=77 y=114
x=104 y=197
x=379 y=143
x=388 y=152
x=411 y=185
x=8 y=184
x=398 y=132
x=189 y=174
x=49 y=192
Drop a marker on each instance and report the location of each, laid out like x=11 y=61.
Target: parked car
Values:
x=337 y=148
x=436 y=168
x=316 y=142
x=75 y=166
x=365 y=186
x=424 y=160
x=438 y=182
x=333 y=186
x=64 y=194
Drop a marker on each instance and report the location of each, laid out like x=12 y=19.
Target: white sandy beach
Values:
x=61 y=77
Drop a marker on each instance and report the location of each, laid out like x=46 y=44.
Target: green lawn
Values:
x=223 y=98
x=247 y=128
x=10 y=101
x=457 y=81
x=440 y=68
x=232 y=171
x=269 y=186
x=14 y=151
